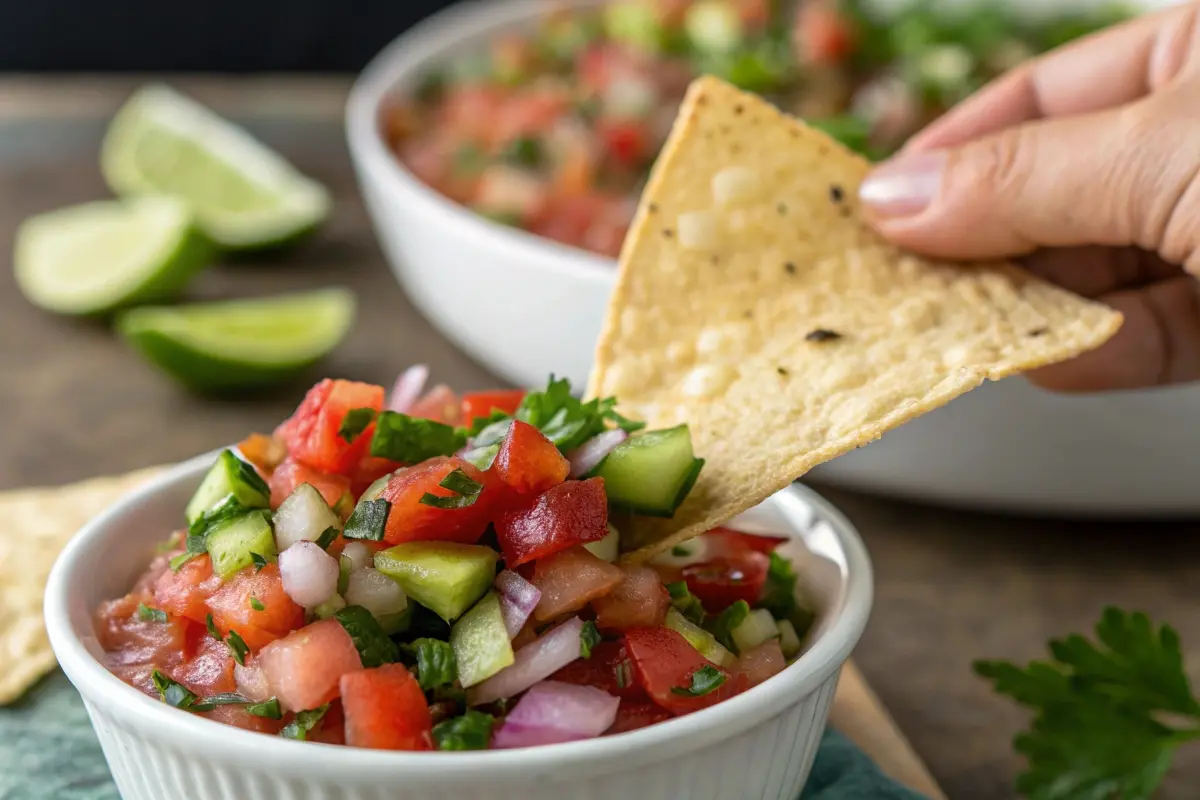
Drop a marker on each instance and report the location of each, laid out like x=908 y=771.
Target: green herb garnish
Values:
x=471 y=731
x=369 y=520
x=779 y=596
x=355 y=422
x=147 y=614
x=226 y=699
x=237 y=646
x=176 y=563
x=374 y=646
x=524 y=151
x=409 y=440
x=257 y=604
x=171 y=692
x=212 y=628
x=567 y=421
x=680 y=551
x=722 y=627
x=327 y=536
x=1108 y=716
x=685 y=602
x=589 y=637
x=706 y=679
x=466 y=492
x=268 y=709
x=435 y=661
x=302 y=725
x=259 y=561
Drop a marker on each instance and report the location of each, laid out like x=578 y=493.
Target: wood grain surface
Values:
x=951 y=586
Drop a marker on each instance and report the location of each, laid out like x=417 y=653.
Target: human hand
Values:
x=1086 y=163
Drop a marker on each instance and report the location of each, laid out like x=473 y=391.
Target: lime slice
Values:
x=95 y=257
x=240 y=344
x=244 y=194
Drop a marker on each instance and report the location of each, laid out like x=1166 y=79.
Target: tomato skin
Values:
x=721 y=582
x=572 y=513
x=185 y=593
x=291 y=473
x=128 y=641
x=761 y=663
x=232 y=610
x=312 y=432
x=528 y=462
x=332 y=728
x=410 y=520
x=304 y=668
x=823 y=36
x=601 y=671
x=386 y=710
x=481 y=404
x=627 y=140
x=663 y=660
x=570 y=580
x=439 y=404
x=635 y=714
x=210 y=670
x=639 y=601
x=727 y=541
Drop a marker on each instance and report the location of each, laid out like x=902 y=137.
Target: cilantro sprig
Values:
x=435 y=663
x=471 y=731
x=465 y=492
x=1108 y=714
x=704 y=680
x=568 y=421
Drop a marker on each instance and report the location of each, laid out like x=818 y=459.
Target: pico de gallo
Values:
x=554 y=130
x=420 y=570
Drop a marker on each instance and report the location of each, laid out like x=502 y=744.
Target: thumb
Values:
x=1113 y=178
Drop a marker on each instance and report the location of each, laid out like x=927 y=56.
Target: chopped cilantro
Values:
x=524 y=151
x=212 y=627
x=226 y=699
x=466 y=492
x=481 y=457
x=369 y=520
x=355 y=422
x=779 y=596
x=172 y=693
x=680 y=551
x=238 y=647
x=176 y=563
x=685 y=602
x=259 y=561
x=722 y=627
x=147 y=614
x=409 y=440
x=435 y=661
x=304 y=722
x=257 y=604
x=268 y=709
x=373 y=645
x=704 y=680
x=568 y=421
x=327 y=536
x=589 y=637
x=471 y=731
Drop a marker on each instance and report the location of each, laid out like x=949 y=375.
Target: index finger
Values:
x=1106 y=69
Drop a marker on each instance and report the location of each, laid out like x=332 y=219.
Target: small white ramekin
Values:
x=755 y=746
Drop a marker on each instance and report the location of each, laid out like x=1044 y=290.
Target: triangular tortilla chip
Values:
x=754 y=303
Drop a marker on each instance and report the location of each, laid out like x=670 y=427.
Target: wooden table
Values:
x=951 y=586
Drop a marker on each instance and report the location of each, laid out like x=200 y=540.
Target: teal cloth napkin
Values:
x=48 y=750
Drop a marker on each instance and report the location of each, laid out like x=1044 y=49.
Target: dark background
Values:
x=201 y=35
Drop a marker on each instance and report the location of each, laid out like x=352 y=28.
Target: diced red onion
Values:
x=252 y=682
x=534 y=662
x=359 y=554
x=552 y=712
x=408 y=388
x=518 y=598
x=375 y=592
x=310 y=575
x=585 y=457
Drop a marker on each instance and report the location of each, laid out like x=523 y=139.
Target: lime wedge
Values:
x=240 y=344
x=244 y=195
x=95 y=257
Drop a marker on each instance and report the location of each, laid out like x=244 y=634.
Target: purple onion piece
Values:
x=518 y=599
x=407 y=388
x=534 y=662
x=552 y=712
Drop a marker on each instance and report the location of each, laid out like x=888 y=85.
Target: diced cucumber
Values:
x=303 y=516
x=713 y=26
x=756 y=628
x=608 y=548
x=231 y=543
x=704 y=642
x=375 y=489
x=789 y=641
x=228 y=480
x=445 y=577
x=480 y=642
x=329 y=607
x=633 y=22
x=651 y=473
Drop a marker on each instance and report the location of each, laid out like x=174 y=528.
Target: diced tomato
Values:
x=609 y=668
x=471 y=109
x=721 y=582
x=528 y=462
x=139 y=676
x=312 y=432
x=525 y=636
x=725 y=541
x=529 y=112
x=210 y=671
x=627 y=140
x=237 y=717
x=386 y=710
x=127 y=640
x=292 y=473
x=761 y=663
x=369 y=470
x=482 y=404
x=332 y=727
x=823 y=35
x=185 y=592
x=145 y=583
x=664 y=661
x=439 y=404
x=304 y=667
x=570 y=580
x=232 y=607
x=639 y=601
x=575 y=512
x=264 y=452
x=411 y=520
x=635 y=714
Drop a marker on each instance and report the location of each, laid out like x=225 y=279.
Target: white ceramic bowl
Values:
x=526 y=307
x=756 y=746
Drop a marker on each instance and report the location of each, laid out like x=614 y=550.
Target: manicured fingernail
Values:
x=904 y=186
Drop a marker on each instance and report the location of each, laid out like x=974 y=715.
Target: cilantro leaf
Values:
x=225 y=699
x=706 y=679
x=257 y=604
x=259 y=561
x=471 y=731
x=176 y=563
x=568 y=421
x=722 y=627
x=466 y=492
x=685 y=602
x=779 y=596
x=327 y=536
x=212 y=627
x=147 y=614
x=589 y=637
x=481 y=457
x=373 y=645
x=355 y=422
x=237 y=646
x=490 y=429
x=436 y=664
x=368 y=520
x=304 y=722
x=1108 y=715
x=400 y=437
x=268 y=709
x=172 y=692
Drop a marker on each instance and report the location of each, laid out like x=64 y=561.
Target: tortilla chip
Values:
x=781 y=327
x=39 y=524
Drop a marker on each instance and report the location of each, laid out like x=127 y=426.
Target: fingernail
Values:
x=904 y=186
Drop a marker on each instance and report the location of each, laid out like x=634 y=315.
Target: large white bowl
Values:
x=758 y=745
x=526 y=307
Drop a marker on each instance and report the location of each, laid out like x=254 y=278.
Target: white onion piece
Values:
x=252 y=682
x=359 y=554
x=588 y=455
x=534 y=662
x=518 y=599
x=407 y=388
x=698 y=230
x=552 y=712
x=375 y=592
x=309 y=574
x=303 y=516
x=735 y=184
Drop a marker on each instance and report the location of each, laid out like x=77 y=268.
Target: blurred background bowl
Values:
x=526 y=307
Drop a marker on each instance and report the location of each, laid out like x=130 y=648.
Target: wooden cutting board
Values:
x=857 y=711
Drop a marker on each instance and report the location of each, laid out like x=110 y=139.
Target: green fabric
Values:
x=48 y=750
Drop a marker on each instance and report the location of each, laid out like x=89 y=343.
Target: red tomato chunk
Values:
x=529 y=463
x=572 y=513
x=129 y=641
x=233 y=607
x=386 y=710
x=570 y=580
x=411 y=520
x=312 y=432
x=639 y=601
x=185 y=593
x=304 y=667
x=635 y=714
x=664 y=662
x=291 y=473
x=721 y=582
x=477 y=405
x=763 y=662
